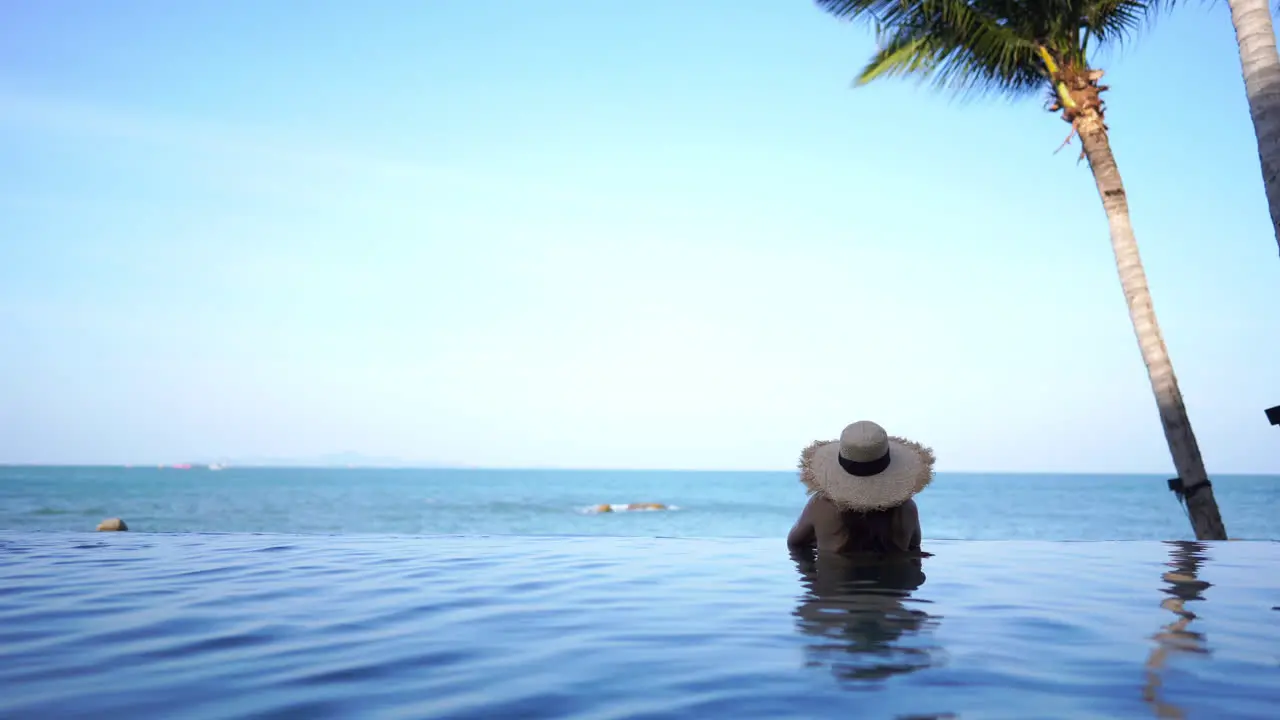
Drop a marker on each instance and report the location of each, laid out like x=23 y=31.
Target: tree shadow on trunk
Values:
x=1183 y=586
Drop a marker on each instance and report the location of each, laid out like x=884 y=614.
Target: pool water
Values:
x=279 y=626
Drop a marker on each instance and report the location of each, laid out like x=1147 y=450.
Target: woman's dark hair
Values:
x=875 y=531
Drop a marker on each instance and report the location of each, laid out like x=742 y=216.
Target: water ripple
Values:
x=226 y=626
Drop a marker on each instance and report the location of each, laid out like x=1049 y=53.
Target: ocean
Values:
x=468 y=595
x=556 y=502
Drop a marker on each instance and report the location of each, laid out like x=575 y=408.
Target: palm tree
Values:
x=1021 y=47
x=1260 y=62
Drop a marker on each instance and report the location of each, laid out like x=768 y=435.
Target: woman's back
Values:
x=848 y=532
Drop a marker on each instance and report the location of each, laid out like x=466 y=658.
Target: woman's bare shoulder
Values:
x=821 y=503
x=909 y=514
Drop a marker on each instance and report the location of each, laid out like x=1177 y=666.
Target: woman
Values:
x=861 y=488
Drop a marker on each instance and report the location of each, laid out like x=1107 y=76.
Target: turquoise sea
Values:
x=551 y=502
x=279 y=593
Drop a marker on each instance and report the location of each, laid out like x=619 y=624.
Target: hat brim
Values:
x=910 y=471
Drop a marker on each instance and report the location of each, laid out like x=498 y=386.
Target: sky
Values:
x=572 y=233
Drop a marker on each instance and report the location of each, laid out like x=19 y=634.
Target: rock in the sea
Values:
x=112 y=525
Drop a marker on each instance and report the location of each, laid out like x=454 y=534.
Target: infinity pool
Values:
x=271 y=626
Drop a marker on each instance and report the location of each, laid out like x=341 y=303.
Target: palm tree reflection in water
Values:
x=856 y=612
x=1184 y=586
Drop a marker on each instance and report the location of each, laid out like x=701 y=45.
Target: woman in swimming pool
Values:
x=861 y=489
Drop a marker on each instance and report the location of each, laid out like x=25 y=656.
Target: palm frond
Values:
x=989 y=46
x=1116 y=21
x=956 y=47
x=902 y=55
x=857 y=9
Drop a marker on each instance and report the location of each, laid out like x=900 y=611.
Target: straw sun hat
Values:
x=866 y=469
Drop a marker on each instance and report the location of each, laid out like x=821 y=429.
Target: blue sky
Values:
x=593 y=234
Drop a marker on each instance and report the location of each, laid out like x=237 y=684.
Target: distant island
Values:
x=341 y=459
x=332 y=460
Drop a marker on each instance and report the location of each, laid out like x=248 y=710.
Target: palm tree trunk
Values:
x=1261 y=65
x=1203 y=509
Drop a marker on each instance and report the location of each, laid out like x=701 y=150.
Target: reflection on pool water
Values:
x=219 y=626
x=863 y=621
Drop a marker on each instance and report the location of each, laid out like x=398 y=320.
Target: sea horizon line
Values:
x=205 y=466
